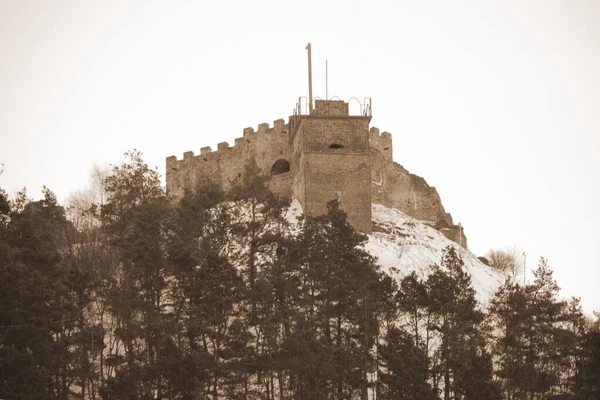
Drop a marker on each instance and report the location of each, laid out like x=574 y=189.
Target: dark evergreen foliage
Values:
x=536 y=337
x=587 y=378
x=215 y=297
x=404 y=368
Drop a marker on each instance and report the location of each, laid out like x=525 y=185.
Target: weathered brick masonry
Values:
x=318 y=157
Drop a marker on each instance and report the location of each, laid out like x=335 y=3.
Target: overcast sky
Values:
x=496 y=104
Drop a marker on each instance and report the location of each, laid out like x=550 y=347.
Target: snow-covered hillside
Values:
x=403 y=244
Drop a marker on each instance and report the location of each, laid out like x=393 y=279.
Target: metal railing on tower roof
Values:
x=302 y=109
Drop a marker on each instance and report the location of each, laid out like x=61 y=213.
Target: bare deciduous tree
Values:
x=84 y=205
x=506 y=260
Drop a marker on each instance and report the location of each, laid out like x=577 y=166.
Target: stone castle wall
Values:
x=360 y=172
x=266 y=146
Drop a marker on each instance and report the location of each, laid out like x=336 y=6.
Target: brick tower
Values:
x=331 y=161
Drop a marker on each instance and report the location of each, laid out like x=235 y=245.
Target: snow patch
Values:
x=402 y=244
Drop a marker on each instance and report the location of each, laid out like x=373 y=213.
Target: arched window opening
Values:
x=336 y=146
x=280 y=167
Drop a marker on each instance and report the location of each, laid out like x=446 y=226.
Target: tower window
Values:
x=280 y=167
x=336 y=146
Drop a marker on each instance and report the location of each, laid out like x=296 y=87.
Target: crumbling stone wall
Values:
x=359 y=173
x=393 y=186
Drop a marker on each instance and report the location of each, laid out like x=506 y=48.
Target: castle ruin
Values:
x=321 y=154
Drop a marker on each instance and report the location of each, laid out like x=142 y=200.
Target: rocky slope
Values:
x=403 y=244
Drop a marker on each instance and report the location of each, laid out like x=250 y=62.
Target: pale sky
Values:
x=495 y=103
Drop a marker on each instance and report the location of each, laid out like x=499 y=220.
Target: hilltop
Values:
x=402 y=244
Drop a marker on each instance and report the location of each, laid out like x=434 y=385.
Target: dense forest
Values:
x=219 y=296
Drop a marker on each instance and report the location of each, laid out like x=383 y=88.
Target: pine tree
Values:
x=134 y=221
x=404 y=368
x=257 y=217
x=457 y=320
x=4 y=204
x=412 y=301
x=569 y=349
x=473 y=370
x=257 y=225
x=340 y=298
x=35 y=322
x=535 y=340
x=587 y=378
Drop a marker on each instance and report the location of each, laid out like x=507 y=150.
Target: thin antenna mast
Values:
x=326 y=82
x=310 y=98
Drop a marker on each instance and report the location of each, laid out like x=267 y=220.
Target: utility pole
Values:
x=310 y=98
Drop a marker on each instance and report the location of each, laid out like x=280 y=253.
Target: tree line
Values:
x=219 y=296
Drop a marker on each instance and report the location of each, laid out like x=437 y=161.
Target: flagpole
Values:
x=310 y=98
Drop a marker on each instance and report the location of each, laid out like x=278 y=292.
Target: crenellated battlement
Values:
x=383 y=138
x=223 y=165
x=248 y=134
x=381 y=142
